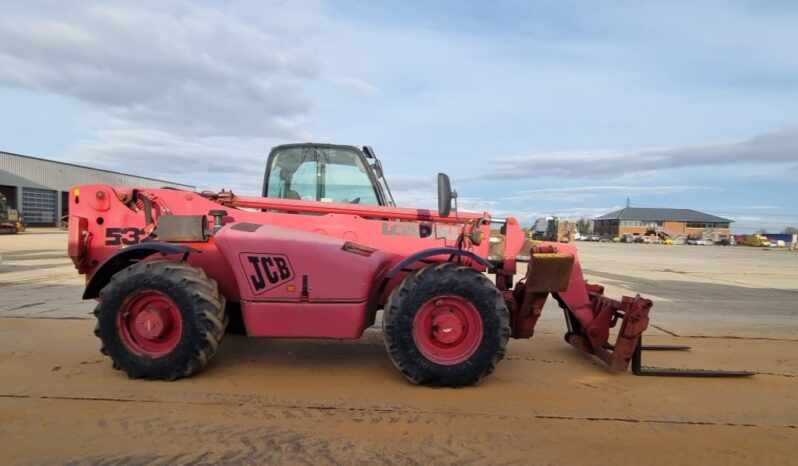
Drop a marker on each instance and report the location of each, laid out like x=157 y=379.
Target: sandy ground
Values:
x=342 y=402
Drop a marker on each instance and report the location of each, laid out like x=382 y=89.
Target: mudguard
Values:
x=126 y=257
x=437 y=252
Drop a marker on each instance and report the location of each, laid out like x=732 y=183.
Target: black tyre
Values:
x=446 y=325
x=160 y=319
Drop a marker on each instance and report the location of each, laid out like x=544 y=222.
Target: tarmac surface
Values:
x=342 y=402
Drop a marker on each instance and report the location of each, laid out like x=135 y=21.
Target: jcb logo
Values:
x=266 y=271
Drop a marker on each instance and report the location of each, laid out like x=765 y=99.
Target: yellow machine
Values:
x=10 y=220
x=757 y=241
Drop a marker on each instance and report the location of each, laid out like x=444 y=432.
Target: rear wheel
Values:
x=160 y=319
x=446 y=325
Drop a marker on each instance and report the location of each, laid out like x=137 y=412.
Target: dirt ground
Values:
x=342 y=402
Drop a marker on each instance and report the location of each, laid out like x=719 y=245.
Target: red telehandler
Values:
x=317 y=256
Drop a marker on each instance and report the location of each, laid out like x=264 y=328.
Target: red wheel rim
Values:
x=447 y=330
x=150 y=324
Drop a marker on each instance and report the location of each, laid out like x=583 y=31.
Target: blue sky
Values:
x=533 y=108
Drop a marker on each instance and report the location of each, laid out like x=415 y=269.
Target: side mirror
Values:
x=444 y=195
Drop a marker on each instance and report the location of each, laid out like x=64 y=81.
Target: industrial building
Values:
x=672 y=222
x=39 y=188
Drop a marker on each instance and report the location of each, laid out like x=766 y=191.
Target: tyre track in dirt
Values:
x=289 y=411
x=276 y=435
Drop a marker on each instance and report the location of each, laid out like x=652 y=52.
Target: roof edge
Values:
x=95 y=168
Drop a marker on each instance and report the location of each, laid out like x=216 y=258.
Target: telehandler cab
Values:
x=317 y=256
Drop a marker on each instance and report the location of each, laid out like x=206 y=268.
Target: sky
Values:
x=534 y=108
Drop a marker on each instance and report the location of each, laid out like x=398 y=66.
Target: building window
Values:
x=707 y=225
x=641 y=223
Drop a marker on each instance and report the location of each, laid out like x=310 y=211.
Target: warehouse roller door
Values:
x=39 y=206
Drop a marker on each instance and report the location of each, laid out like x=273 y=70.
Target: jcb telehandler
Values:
x=317 y=256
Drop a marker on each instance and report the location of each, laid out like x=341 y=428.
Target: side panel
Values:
x=294 y=283
x=300 y=320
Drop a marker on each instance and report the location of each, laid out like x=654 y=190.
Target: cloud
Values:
x=497 y=208
x=399 y=182
x=775 y=147
x=751 y=223
x=584 y=192
x=197 y=91
x=429 y=200
x=208 y=163
x=183 y=68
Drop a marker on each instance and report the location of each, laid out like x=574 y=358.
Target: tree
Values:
x=791 y=230
x=583 y=226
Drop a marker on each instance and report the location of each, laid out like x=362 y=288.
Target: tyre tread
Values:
x=396 y=314
x=208 y=310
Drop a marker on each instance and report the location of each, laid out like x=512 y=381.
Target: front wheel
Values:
x=446 y=325
x=160 y=319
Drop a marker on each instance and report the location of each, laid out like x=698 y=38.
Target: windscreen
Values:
x=320 y=174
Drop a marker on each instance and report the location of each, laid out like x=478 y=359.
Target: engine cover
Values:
x=296 y=283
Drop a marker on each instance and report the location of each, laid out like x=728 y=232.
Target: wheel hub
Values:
x=150 y=324
x=447 y=330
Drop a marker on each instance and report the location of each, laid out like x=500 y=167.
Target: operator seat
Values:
x=291 y=194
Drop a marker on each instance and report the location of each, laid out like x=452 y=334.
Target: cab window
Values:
x=348 y=183
x=320 y=174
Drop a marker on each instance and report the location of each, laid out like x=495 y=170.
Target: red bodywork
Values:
x=318 y=269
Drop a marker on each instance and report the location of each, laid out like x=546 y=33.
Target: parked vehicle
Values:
x=10 y=219
x=316 y=258
x=758 y=241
